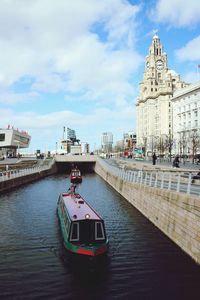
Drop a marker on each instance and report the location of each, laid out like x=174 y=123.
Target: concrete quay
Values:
x=176 y=214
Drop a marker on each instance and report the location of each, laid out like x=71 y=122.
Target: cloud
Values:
x=176 y=13
x=79 y=53
x=48 y=127
x=57 y=46
x=190 y=52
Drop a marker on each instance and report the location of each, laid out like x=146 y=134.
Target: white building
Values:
x=186 y=120
x=106 y=142
x=13 y=139
x=154 y=102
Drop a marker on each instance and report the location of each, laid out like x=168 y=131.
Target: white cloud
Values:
x=47 y=128
x=177 y=13
x=83 y=49
x=44 y=39
x=190 y=52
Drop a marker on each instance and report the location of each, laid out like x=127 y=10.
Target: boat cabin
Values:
x=83 y=229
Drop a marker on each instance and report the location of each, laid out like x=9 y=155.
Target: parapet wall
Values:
x=175 y=214
x=12 y=183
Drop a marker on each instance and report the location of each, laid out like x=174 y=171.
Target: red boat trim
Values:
x=85 y=252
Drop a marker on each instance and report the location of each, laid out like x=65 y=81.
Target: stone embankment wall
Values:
x=175 y=214
x=12 y=183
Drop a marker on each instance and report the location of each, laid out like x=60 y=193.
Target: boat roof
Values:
x=78 y=208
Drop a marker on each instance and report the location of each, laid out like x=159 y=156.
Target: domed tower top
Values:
x=155 y=37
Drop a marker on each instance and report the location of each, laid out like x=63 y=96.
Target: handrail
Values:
x=10 y=174
x=154 y=178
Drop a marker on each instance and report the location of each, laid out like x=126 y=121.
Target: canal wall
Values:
x=177 y=215
x=12 y=183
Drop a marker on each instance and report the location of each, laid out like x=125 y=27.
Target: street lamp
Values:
x=56 y=146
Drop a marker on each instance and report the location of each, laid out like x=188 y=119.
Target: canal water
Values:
x=141 y=263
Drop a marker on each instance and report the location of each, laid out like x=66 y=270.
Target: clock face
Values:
x=159 y=65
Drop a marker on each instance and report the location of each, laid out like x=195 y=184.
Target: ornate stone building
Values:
x=154 y=122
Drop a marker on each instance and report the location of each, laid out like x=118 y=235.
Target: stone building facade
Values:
x=154 y=116
x=186 y=120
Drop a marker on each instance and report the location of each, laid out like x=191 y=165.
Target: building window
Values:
x=151 y=89
x=2 y=137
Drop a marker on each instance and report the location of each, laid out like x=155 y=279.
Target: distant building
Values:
x=154 y=123
x=68 y=141
x=85 y=148
x=106 y=142
x=11 y=140
x=129 y=140
x=71 y=134
x=186 y=120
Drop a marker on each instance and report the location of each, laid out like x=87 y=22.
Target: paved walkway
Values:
x=188 y=165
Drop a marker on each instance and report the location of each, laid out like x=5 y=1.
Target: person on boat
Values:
x=72 y=188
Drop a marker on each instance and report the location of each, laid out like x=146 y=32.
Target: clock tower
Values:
x=154 y=121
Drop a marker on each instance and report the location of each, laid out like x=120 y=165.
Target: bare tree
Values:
x=195 y=142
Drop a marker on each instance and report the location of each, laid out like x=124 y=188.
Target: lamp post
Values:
x=56 y=146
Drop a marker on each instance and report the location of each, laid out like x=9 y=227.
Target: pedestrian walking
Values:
x=176 y=162
x=154 y=157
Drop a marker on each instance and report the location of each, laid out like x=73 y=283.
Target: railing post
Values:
x=138 y=177
x=189 y=183
x=134 y=178
x=162 y=181
x=150 y=180
x=145 y=179
x=141 y=178
x=156 y=180
x=178 y=183
x=169 y=181
x=131 y=176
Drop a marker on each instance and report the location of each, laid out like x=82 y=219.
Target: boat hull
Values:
x=85 y=250
x=76 y=179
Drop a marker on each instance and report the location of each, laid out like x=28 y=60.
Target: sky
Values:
x=79 y=63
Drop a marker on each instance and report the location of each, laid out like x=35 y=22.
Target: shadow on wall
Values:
x=84 y=167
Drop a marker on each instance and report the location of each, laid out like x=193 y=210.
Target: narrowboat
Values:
x=75 y=176
x=83 y=230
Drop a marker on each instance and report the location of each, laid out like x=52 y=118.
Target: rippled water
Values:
x=141 y=263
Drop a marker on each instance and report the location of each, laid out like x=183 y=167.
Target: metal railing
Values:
x=10 y=174
x=176 y=181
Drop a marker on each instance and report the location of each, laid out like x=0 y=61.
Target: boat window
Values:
x=74 y=232
x=99 y=231
x=86 y=231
